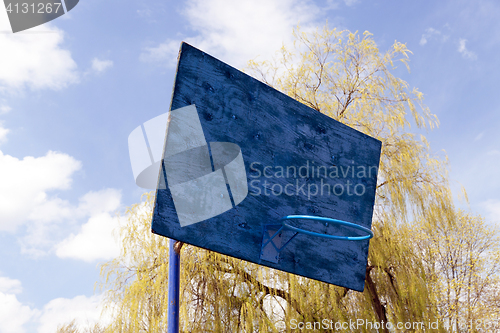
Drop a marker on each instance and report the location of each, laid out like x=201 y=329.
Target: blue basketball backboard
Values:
x=239 y=156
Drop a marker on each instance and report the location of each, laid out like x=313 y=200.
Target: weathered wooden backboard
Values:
x=239 y=155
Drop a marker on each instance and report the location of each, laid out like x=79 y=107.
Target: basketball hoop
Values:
x=272 y=243
x=326 y=221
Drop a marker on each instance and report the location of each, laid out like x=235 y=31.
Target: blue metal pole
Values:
x=173 y=288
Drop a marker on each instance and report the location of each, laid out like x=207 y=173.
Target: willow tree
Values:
x=462 y=258
x=73 y=327
x=345 y=76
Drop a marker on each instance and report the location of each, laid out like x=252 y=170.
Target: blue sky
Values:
x=72 y=90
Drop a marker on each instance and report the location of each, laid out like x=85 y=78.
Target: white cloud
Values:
x=242 y=30
x=101 y=65
x=104 y=201
x=5 y=109
x=431 y=33
x=33 y=59
x=462 y=49
x=238 y=31
x=13 y=314
x=86 y=311
x=95 y=239
x=44 y=227
x=25 y=187
x=26 y=199
x=10 y=286
x=479 y=136
x=165 y=53
x=3 y=133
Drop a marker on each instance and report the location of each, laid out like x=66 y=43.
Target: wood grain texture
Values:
x=276 y=131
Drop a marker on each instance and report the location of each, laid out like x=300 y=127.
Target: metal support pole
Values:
x=173 y=286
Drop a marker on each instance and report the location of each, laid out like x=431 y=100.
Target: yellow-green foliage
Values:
x=72 y=327
x=427 y=261
x=461 y=254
